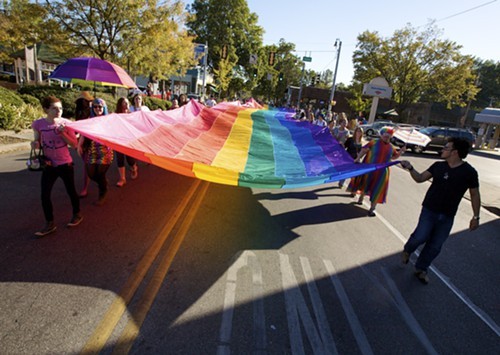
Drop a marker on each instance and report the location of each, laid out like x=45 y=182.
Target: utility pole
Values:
x=338 y=45
x=203 y=88
x=301 y=80
x=304 y=60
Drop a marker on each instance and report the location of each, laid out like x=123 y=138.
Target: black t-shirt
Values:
x=352 y=147
x=449 y=186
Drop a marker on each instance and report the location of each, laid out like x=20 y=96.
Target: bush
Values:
x=154 y=104
x=19 y=117
x=31 y=100
x=67 y=96
x=9 y=97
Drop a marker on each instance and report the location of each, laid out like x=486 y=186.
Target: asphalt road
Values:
x=175 y=265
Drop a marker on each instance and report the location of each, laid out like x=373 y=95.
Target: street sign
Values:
x=307 y=59
x=384 y=92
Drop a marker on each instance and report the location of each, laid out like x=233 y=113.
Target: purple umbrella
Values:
x=99 y=71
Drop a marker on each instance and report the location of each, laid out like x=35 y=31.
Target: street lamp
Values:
x=338 y=45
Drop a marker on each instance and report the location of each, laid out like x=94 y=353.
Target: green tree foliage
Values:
x=226 y=23
x=286 y=71
x=144 y=36
x=417 y=65
x=24 y=23
x=489 y=84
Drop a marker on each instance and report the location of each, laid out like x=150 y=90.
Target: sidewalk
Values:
x=11 y=142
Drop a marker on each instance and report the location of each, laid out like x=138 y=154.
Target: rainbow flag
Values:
x=232 y=144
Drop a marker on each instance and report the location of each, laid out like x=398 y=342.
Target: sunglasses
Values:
x=97 y=106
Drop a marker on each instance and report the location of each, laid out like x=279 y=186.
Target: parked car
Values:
x=372 y=129
x=195 y=97
x=439 y=137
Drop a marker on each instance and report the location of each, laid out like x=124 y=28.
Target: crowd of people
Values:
x=450 y=179
x=97 y=158
x=376 y=184
x=51 y=135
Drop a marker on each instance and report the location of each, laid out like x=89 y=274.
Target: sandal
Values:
x=134 y=172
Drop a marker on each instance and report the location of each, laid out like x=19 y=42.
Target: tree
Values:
x=226 y=23
x=417 y=65
x=286 y=71
x=489 y=84
x=24 y=23
x=144 y=35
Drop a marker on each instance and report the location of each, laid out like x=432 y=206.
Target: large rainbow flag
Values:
x=232 y=144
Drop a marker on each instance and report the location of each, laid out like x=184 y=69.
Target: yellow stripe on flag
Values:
x=234 y=154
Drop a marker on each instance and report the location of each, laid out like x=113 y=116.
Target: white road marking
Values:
x=405 y=311
x=478 y=311
x=296 y=308
x=359 y=334
x=319 y=310
x=246 y=259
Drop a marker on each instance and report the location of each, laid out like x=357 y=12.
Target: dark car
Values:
x=372 y=129
x=439 y=137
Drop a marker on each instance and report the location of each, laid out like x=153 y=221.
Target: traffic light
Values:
x=271 y=58
x=280 y=77
x=313 y=80
x=255 y=73
x=318 y=78
x=223 y=52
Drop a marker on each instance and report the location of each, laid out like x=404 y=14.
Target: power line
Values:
x=465 y=11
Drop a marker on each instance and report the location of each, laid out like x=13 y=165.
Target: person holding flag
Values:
x=375 y=184
x=450 y=180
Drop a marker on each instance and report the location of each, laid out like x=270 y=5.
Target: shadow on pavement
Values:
x=103 y=251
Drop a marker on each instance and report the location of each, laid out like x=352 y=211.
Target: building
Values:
x=34 y=64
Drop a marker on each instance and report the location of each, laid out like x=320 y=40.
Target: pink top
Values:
x=53 y=144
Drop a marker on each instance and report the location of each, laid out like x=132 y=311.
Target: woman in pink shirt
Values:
x=51 y=134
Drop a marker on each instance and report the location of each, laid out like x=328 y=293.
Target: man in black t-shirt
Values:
x=450 y=180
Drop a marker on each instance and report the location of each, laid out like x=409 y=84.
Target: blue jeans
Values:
x=432 y=229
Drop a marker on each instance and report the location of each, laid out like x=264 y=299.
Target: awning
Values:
x=488 y=115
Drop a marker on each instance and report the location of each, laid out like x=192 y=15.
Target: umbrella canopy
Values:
x=412 y=136
x=98 y=71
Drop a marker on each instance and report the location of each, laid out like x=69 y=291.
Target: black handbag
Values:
x=37 y=160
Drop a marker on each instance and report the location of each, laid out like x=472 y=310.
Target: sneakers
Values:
x=422 y=276
x=405 y=257
x=371 y=213
x=76 y=220
x=50 y=227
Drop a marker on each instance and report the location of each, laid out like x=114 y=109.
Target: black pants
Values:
x=120 y=160
x=97 y=173
x=49 y=176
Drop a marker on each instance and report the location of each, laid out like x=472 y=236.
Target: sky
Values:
x=314 y=25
